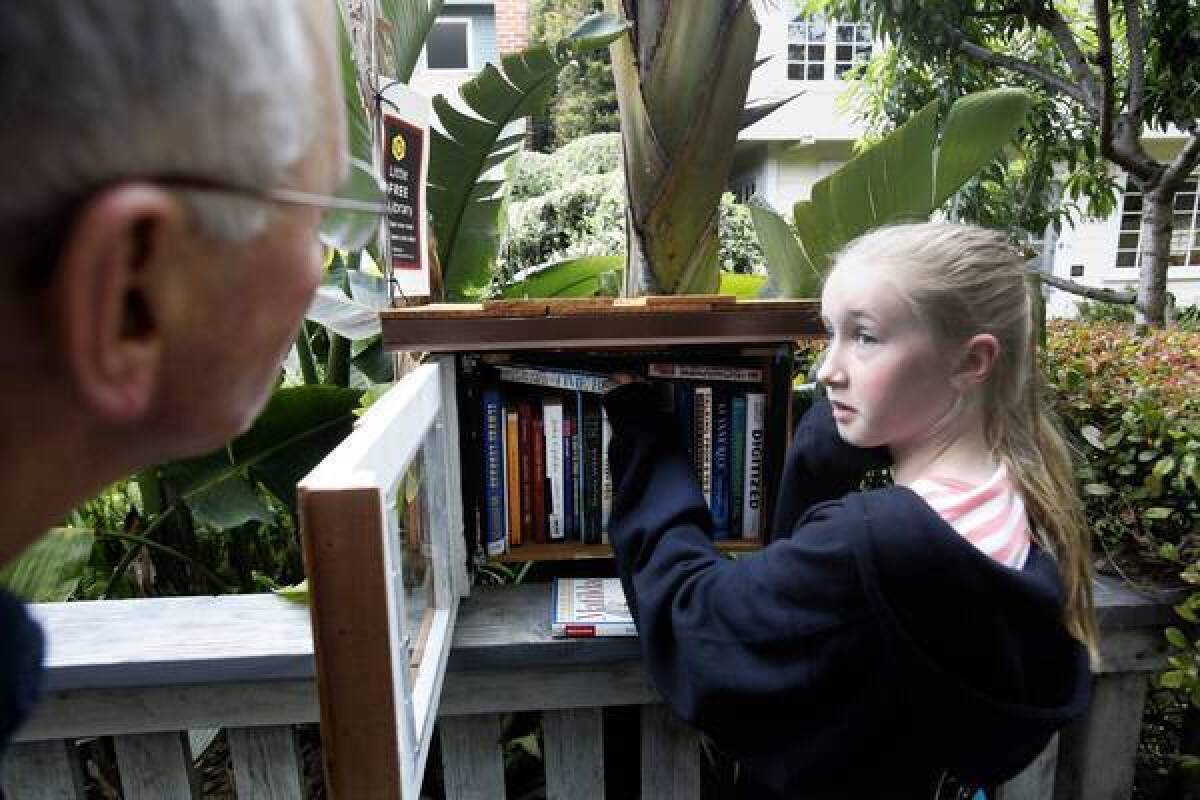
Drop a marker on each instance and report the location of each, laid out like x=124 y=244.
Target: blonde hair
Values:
x=963 y=280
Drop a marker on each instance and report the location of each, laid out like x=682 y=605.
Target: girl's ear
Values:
x=978 y=358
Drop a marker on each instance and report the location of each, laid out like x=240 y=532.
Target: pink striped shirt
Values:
x=990 y=515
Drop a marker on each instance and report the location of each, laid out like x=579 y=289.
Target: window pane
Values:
x=1176 y=259
x=863 y=34
x=816 y=72
x=816 y=31
x=863 y=52
x=844 y=52
x=845 y=33
x=796 y=52
x=1127 y=241
x=446 y=47
x=816 y=52
x=1131 y=222
x=1127 y=259
x=796 y=72
x=1185 y=202
x=1181 y=223
x=841 y=69
x=1133 y=202
x=1188 y=186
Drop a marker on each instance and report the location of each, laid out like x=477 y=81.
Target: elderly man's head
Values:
x=144 y=307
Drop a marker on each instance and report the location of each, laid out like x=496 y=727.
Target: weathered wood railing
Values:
x=146 y=671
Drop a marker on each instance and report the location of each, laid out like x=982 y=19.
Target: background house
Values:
x=465 y=36
x=780 y=157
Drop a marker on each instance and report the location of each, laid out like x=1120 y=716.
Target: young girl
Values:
x=891 y=642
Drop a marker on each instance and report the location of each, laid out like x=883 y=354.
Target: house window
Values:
x=1185 y=231
x=806 y=49
x=448 y=45
x=853 y=47
x=813 y=57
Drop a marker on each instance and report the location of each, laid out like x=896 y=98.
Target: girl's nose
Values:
x=829 y=371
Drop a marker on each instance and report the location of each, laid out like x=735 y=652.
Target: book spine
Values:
x=591 y=470
x=703 y=437
x=701 y=372
x=737 y=472
x=552 y=421
x=568 y=380
x=537 y=470
x=472 y=454
x=568 y=630
x=513 y=474
x=577 y=469
x=752 y=503
x=525 y=454
x=685 y=415
x=570 y=529
x=495 y=478
x=606 y=484
x=721 y=420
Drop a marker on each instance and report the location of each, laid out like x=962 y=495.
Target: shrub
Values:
x=1133 y=402
x=572 y=203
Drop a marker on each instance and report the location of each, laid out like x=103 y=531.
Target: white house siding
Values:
x=1092 y=245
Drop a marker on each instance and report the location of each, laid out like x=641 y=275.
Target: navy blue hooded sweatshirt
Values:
x=868 y=650
x=21 y=649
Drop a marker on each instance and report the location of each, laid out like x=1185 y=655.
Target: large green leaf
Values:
x=904 y=177
x=298 y=428
x=464 y=203
x=575 y=277
x=779 y=246
x=50 y=568
x=404 y=25
x=358 y=128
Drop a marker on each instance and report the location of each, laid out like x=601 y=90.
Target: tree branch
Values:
x=1105 y=62
x=1137 y=60
x=1048 y=17
x=1185 y=160
x=983 y=54
x=1090 y=292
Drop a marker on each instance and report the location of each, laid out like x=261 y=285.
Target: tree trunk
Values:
x=681 y=77
x=1156 y=251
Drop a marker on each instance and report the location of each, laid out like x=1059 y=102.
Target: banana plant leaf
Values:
x=904 y=177
x=298 y=428
x=404 y=26
x=50 y=568
x=575 y=277
x=465 y=204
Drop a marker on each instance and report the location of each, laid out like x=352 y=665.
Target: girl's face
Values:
x=888 y=380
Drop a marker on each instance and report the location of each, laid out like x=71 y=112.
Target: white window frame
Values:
x=468 y=24
x=831 y=67
x=1183 y=240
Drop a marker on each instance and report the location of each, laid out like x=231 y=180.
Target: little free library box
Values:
x=494 y=448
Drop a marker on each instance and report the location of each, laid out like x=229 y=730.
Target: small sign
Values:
x=405 y=158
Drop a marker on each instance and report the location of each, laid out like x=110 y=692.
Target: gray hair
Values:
x=95 y=91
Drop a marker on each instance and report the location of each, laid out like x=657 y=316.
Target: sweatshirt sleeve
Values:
x=728 y=642
x=820 y=466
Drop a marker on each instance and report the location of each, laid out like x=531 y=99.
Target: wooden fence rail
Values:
x=146 y=672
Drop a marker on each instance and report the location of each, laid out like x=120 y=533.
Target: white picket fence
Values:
x=148 y=671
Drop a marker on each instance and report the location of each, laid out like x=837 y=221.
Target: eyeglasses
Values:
x=352 y=219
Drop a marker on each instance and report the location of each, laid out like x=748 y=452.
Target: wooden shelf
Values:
x=602 y=322
x=572 y=552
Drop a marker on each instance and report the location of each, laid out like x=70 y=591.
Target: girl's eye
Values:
x=862 y=337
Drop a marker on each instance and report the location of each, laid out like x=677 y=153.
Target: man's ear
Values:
x=977 y=359
x=106 y=298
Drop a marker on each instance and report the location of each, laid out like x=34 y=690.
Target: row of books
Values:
x=543 y=438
